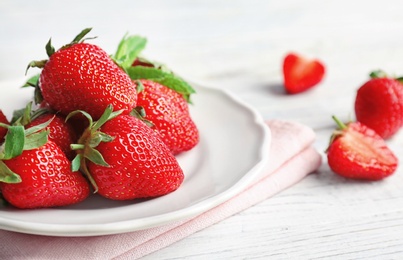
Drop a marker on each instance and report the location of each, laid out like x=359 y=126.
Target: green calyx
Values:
x=129 y=50
x=27 y=115
x=140 y=113
x=34 y=82
x=17 y=140
x=50 y=50
x=167 y=79
x=89 y=140
x=383 y=74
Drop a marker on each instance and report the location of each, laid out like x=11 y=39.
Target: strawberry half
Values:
x=300 y=73
x=358 y=152
x=379 y=104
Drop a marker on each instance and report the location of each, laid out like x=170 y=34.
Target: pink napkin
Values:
x=292 y=158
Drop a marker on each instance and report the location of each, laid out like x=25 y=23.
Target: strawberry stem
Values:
x=89 y=140
x=339 y=123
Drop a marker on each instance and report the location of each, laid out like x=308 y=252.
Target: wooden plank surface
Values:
x=239 y=45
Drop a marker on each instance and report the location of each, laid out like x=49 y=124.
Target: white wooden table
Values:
x=239 y=45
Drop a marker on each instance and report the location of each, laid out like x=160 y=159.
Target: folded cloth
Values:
x=292 y=157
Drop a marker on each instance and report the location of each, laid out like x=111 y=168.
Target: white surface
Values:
x=239 y=45
x=210 y=177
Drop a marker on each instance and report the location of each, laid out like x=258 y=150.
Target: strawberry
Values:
x=358 y=152
x=35 y=173
x=3 y=131
x=379 y=104
x=169 y=112
x=130 y=160
x=82 y=76
x=60 y=131
x=300 y=73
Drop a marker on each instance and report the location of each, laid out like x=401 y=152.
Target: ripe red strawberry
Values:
x=46 y=179
x=131 y=162
x=3 y=131
x=358 y=152
x=300 y=73
x=379 y=104
x=83 y=76
x=36 y=173
x=60 y=131
x=169 y=112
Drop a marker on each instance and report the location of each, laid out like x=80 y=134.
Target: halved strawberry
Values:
x=358 y=152
x=300 y=73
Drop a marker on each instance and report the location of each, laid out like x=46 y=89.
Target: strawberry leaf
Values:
x=81 y=35
x=96 y=157
x=22 y=116
x=36 y=140
x=76 y=163
x=49 y=48
x=32 y=81
x=106 y=116
x=128 y=50
x=165 y=78
x=8 y=176
x=99 y=137
x=37 y=128
x=14 y=142
x=36 y=64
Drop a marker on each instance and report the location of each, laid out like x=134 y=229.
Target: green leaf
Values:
x=76 y=163
x=378 y=74
x=88 y=116
x=165 y=78
x=81 y=35
x=8 y=176
x=139 y=87
x=128 y=50
x=32 y=81
x=106 y=116
x=99 y=137
x=49 y=48
x=400 y=79
x=14 y=142
x=22 y=116
x=37 y=128
x=95 y=157
x=36 y=64
x=36 y=140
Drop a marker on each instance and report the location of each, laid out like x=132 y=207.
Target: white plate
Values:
x=233 y=148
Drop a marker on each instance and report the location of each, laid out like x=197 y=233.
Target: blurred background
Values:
x=237 y=44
